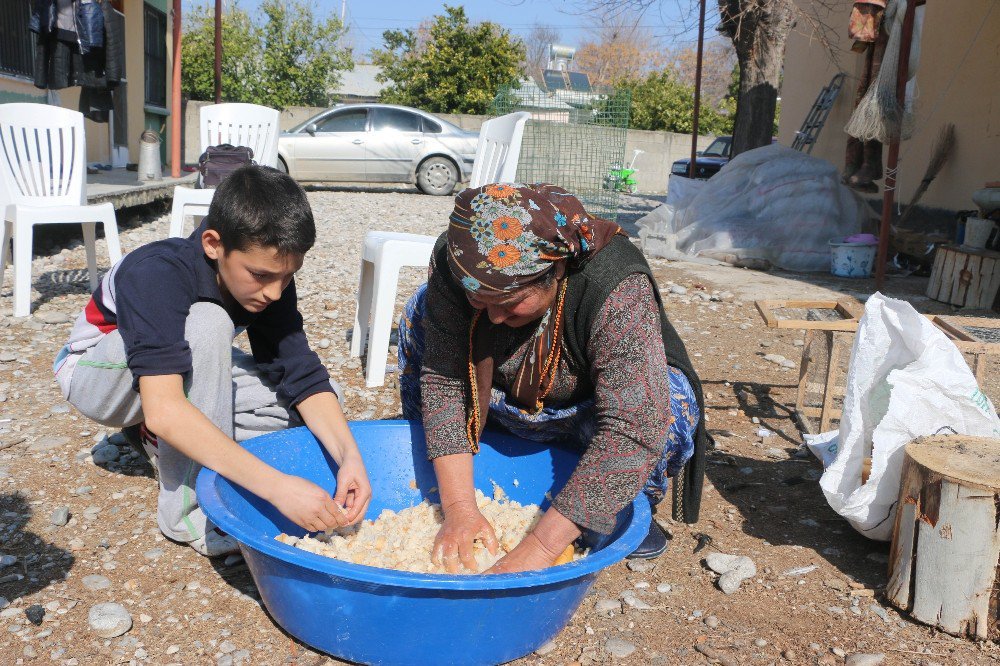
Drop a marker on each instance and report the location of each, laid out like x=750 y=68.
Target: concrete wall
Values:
x=653 y=166
x=956 y=83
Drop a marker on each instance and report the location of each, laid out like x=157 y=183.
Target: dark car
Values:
x=709 y=160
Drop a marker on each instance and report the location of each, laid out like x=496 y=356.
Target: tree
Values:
x=758 y=30
x=301 y=57
x=619 y=49
x=661 y=102
x=536 y=47
x=456 y=68
x=287 y=58
x=718 y=63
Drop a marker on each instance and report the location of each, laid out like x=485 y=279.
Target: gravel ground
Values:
x=86 y=578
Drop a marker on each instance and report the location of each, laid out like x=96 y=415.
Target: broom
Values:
x=943 y=146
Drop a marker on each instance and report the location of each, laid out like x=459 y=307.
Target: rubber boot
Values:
x=656 y=541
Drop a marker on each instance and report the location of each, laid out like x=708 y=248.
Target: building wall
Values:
x=139 y=117
x=956 y=82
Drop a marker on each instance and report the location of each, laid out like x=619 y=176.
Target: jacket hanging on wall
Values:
x=79 y=43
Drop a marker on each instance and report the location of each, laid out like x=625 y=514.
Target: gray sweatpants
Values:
x=225 y=384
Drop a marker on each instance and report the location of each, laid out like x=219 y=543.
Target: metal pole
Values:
x=697 y=89
x=175 y=97
x=343 y=11
x=892 y=161
x=218 y=51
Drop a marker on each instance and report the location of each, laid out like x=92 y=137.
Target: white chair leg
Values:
x=111 y=235
x=386 y=280
x=177 y=214
x=90 y=243
x=359 y=336
x=22 y=269
x=5 y=237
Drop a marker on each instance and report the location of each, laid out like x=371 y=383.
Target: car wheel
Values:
x=437 y=176
x=282 y=167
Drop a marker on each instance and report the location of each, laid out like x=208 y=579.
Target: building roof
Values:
x=360 y=82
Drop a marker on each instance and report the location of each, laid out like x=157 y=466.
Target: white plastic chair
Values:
x=42 y=181
x=248 y=125
x=385 y=252
x=499 y=149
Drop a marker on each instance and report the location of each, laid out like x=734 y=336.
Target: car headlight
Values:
x=680 y=169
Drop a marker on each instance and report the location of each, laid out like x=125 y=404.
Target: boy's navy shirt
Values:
x=153 y=289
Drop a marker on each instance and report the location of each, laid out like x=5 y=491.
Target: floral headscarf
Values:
x=506 y=235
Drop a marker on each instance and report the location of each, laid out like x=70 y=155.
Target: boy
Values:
x=154 y=345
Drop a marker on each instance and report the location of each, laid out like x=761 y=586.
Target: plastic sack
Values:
x=771 y=206
x=906 y=380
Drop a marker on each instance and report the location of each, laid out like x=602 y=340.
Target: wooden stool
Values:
x=946 y=542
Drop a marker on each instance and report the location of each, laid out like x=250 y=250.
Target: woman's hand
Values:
x=463 y=523
x=529 y=555
x=542 y=546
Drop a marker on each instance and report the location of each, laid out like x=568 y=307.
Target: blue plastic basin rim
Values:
x=219 y=514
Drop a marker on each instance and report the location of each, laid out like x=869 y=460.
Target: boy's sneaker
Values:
x=215 y=543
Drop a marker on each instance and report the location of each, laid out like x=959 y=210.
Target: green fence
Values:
x=574 y=139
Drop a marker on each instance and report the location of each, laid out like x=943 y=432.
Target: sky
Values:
x=672 y=21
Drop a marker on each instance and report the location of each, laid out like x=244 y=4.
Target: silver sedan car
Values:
x=379 y=143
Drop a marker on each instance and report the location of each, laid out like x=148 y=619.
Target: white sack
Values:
x=906 y=379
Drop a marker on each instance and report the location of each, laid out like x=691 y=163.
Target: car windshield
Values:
x=718 y=148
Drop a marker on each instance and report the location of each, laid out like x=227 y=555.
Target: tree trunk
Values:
x=758 y=30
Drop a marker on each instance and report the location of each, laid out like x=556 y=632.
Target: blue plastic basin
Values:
x=378 y=616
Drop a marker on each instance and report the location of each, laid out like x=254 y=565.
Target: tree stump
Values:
x=966 y=277
x=946 y=540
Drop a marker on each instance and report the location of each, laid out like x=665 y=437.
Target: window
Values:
x=396 y=119
x=16 y=48
x=353 y=120
x=431 y=127
x=155 y=28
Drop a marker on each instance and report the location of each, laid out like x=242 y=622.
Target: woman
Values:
x=546 y=321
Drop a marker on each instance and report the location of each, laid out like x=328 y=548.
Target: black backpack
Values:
x=217 y=162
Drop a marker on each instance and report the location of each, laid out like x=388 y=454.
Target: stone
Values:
x=881 y=612
x=7 y=560
x=864 y=659
x=760 y=642
x=52 y=317
x=102 y=455
x=608 y=606
x=664 y=588
x=777 y=359
x=109 y=620
x=619 y=648
x=546 y=649
x=226 y=647
x=96 y=582
x=790 y=655
x=732 y=570
x=34 y=613
x=324 y=343
x=43 y=444
x=678 y=290
x=640 y=566
x=837 y=651
x=153 y=554
x=635 y=602
x=712 y=622
x=59 y=516
x=7 y=357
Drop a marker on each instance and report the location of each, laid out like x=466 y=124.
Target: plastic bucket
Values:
x=977 y=232
x=852 y=260
x=378 y=616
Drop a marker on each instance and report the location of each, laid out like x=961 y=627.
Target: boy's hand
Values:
x=354 y=492
x=307 y=505
x=463 y=523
